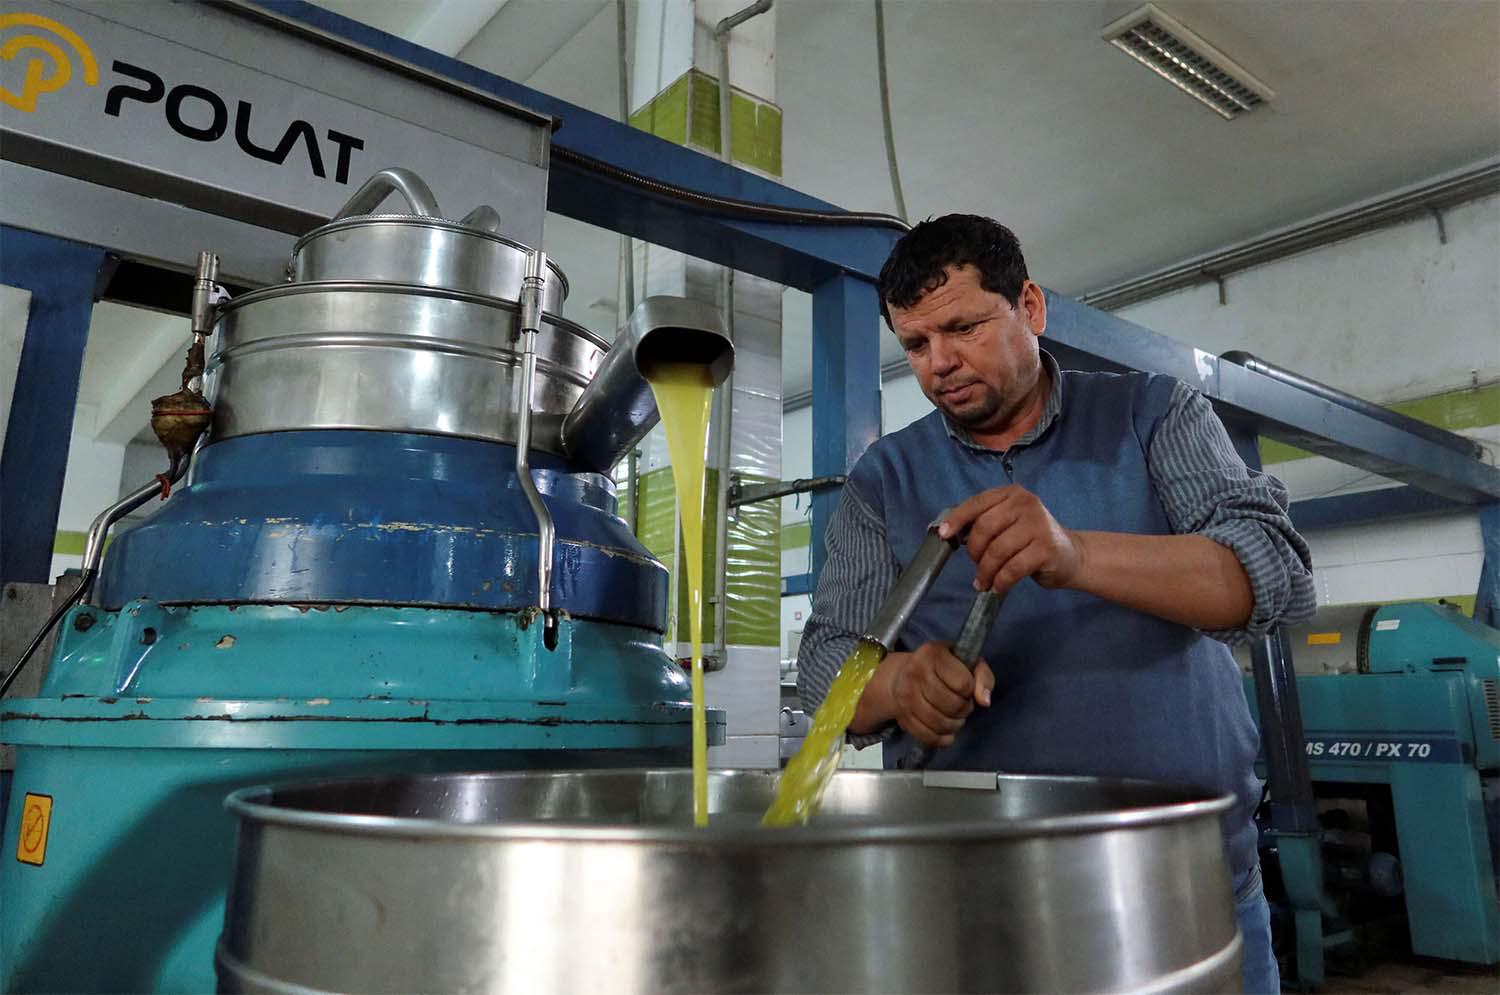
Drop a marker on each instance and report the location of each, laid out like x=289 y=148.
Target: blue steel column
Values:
x=1487 y=603
x=61 y=276
x=846 y=389
x=1294 y=820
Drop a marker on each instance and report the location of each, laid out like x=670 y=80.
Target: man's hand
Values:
x=932 y=692
x=1012 y=536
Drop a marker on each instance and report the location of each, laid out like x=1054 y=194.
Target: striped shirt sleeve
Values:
x=859 y=570
x=1207 y=490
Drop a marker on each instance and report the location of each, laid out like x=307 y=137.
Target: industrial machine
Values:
x=276 y=618
x=397 y=549
x=1404 y=758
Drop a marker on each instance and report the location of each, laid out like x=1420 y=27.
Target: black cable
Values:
x=733 y=207
x=885 y=110
x=41 y=636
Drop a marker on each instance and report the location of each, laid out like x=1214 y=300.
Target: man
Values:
x=1129 y=539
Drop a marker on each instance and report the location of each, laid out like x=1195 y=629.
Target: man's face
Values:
x=974 y=354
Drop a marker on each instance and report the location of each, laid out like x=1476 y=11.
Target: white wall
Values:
x=1390 y=315
x=15 y=307
x=91 y=483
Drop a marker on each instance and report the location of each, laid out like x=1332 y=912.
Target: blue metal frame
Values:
x=1083 y=338
x=62 y=276
x=794 y=584
x=846 y=389
x=1487 y=601
x=1367 y=506
x=801 y=256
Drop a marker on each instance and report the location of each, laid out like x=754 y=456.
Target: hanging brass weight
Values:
x=179 y=418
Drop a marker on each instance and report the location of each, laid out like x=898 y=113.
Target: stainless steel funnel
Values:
x=617 y=408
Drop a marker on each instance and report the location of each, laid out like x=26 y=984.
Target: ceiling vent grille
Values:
x=1189 y=63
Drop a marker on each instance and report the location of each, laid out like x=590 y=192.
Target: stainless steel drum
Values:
x=421 y=251
x=390 y=358
x=597 y=882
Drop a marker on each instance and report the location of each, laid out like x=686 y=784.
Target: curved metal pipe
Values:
x=1442 y=437
x=93 y=556
x=393 y=179
x=484 y=217
x=93 y=545
x=739 y=17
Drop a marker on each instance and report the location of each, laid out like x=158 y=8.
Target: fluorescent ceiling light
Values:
x=1182 y=58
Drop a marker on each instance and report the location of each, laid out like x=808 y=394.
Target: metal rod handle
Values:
x=976 y=628
x=484 y=217
x=967 y=647
x=533 y=286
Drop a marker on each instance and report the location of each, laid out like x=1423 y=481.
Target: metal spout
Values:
x=911 y=587
x=617 y=408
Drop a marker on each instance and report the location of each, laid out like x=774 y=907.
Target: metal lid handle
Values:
x=394 y=179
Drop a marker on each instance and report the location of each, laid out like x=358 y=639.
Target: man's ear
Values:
x=1035 y=303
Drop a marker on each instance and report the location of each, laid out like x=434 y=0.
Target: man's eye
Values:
x=916 y=346
x=964 y=327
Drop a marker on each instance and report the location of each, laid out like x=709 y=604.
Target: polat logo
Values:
x=49 y=65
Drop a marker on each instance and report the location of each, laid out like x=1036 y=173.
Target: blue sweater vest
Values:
x=1083 y=685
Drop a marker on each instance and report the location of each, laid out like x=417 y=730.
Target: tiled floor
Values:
x=1424 y=977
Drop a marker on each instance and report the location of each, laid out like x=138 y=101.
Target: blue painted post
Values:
x=1294 y=820
x=61 y=276
x=846 y=388
x=1487 y=603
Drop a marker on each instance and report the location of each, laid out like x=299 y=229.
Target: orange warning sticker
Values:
x=36 y=821
x=1324 y=638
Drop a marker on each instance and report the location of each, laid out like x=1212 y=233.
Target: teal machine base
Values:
x=1421 y=722
x=125 y=884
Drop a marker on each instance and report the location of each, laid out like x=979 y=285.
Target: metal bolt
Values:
x=83 y=622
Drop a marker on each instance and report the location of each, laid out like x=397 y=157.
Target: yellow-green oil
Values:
x=807 y=775
x=683 y=392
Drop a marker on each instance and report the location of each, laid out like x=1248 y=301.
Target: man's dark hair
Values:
x=918 y=263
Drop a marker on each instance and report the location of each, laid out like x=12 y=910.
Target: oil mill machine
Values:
x=397 y=549
x=1403 y=755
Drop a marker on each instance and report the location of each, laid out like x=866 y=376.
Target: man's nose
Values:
x=943 y=356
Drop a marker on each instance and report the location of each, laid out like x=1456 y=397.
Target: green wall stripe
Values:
x=666 y=114
x=753 y=617
x=69 y=543
x=687 y=113
x=1455 y=410
x=796 y=535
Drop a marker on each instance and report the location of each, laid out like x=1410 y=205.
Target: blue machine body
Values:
x=313 y=603
x=384 y=518
x=1423 y=719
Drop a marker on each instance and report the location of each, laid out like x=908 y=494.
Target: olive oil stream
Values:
x=683 y=392
x=807 y=775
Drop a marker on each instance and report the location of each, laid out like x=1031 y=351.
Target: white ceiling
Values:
x=1022 y=112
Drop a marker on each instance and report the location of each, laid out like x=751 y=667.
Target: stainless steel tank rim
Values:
x=244 y=803
x=504 y=357
x=1188 y=978
x=1191 y=978
x=421 y=221
x=413 y=289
